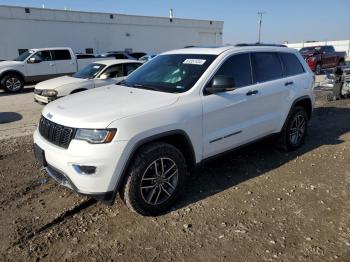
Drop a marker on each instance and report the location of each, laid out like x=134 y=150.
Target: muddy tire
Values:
x=295 y=130
x=156 y=179
x=12 y=83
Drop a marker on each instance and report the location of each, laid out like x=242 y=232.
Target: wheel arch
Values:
x=303 y=101
x=77 y=90
x=12 y=71
x=177 y=138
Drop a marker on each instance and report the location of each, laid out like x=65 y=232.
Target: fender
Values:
x=306 y=97
x=11 y=71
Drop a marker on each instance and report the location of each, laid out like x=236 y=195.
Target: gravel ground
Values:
x=257 y=204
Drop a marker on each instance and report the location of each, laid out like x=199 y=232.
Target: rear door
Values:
x=43 y=69
x=65 y=62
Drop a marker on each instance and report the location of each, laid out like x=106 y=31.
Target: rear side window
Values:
x=267 y=66
x=238 y=67
x=61 y=55
x=291 y=63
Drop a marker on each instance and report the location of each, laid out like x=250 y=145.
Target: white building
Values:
x=23 y=28
x=339 y=45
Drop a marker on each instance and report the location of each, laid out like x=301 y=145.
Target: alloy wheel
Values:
x=297 y=129
x=13 y=84
x=159 y=181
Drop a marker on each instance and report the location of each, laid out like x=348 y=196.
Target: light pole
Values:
x=260 y=23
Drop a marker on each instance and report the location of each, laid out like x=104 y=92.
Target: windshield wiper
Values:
x=146 y=87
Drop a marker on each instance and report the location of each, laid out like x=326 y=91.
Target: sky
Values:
x=292 y=21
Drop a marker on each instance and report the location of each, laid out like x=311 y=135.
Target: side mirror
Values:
x=34 y=60
x=221 y=83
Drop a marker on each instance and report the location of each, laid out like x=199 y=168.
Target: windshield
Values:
x=170 y=73
x=24 y=55
x=90 y=71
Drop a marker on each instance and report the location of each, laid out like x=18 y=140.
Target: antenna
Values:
x=260 y=14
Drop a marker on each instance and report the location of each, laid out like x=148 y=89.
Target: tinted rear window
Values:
x=292 y=65
x=238 y=67
x=61 y=55
x=267 y=66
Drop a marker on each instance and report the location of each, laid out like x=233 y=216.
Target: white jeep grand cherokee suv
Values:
x=142 y=137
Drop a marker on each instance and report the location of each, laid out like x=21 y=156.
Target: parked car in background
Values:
x=84 y=56
x=137 y=55
x=117 y=55
x=146 y=58
x=141 y=138
x=40 y=64
x=322 y=57
x=94 y=75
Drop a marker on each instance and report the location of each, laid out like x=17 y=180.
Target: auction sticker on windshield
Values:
x=194 y=61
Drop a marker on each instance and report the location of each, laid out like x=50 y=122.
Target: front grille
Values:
x=55 y=133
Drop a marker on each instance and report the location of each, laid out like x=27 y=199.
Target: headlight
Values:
x=49 y=93
x=96 y=136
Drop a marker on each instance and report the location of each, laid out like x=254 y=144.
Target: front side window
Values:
x=266 y=66
x=61 y=55
x=170 y=73
x=42 y=55
x=292 y=65
x=114 y=71
x=90 y=71
x=238 y=67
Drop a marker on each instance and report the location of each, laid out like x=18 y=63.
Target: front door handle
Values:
x=252 y=92
x=289 y=83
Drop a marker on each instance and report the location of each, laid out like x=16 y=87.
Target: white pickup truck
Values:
x=40 y=64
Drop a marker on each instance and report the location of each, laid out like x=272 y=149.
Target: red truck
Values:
x=322 y=57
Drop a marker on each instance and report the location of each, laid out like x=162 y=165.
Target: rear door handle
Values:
x=288 y=83
x=252 y=92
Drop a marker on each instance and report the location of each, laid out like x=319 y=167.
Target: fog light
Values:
x=84 y=170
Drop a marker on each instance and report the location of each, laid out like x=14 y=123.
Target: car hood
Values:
x=60 y=81
x=11 y=64
x=99 y=107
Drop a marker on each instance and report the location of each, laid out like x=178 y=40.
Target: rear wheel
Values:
x=294 y=132
x=12 y=83
x=156 y=179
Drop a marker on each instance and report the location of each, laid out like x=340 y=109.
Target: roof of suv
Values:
x=216 y=50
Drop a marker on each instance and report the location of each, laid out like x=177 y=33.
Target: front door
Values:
x=42 y=68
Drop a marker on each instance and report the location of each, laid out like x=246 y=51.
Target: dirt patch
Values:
x=256 y=204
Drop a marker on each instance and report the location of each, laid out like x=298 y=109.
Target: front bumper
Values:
x=108 y=159
x=43 y=99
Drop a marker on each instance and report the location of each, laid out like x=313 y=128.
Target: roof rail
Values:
x=259 y=44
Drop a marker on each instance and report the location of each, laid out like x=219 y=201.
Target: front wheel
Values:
x=12 y=83
x=294 y=132
x=156 y=179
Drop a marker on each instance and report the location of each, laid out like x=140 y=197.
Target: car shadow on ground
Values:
x=327 y=126
x=25 y=90
x=9 y=117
